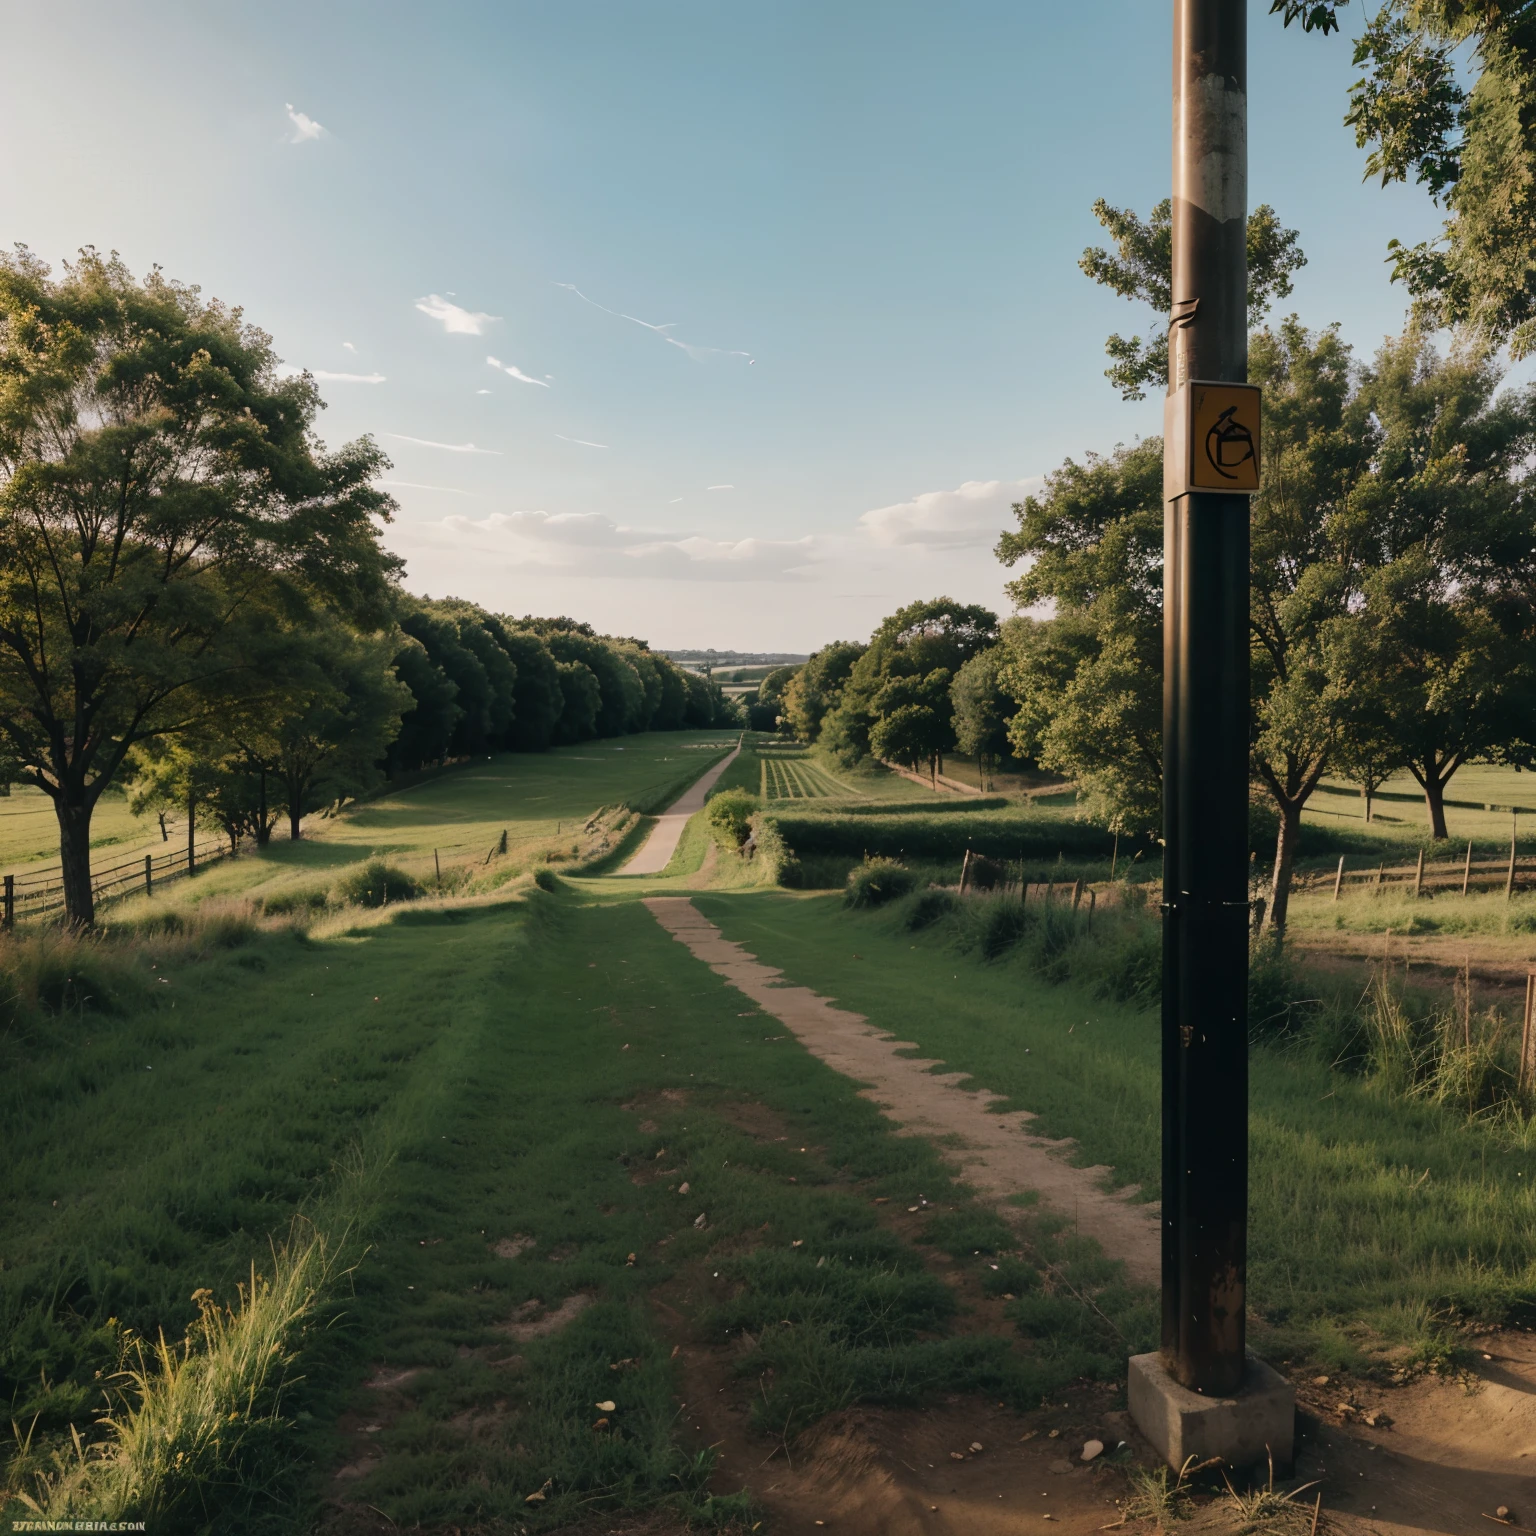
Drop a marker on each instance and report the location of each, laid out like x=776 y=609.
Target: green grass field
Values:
x=1366 y=1208
x=1338 y=804
x=452 y=822
x=492 y=1109
x=29 y=830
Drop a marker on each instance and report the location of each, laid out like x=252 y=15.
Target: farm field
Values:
x=797 y=776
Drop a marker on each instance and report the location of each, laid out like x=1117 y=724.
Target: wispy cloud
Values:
x=664 y=331
x=416 y=485
x=348 y=378
x=305 y=128
x=974 y=513
x=456 y=321
x=347 y=345
x=426 y=442
x=581 y=441
x=590 y=544
x=515 y=372
x=719 y=487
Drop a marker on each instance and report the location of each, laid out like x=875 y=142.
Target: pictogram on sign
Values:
x=1211 y=438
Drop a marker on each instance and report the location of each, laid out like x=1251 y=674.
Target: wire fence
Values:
x=40 y=893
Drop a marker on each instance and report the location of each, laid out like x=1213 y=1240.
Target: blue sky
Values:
x=860 y=221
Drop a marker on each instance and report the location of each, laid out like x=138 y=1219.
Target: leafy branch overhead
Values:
x=1448 y=99
x=1141 y=268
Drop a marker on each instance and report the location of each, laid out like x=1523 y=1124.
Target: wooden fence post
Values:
x=1338 y=879
x=1527 y=1070
x=191 y=835
x=10 y=904
x=1509 y=884
x=965 y=869
x=1093 y=901
x=1077 y=894
x=149 y=873
x=1050 y=891
x=1466 y=873
x=1381 y=875
x=1114 y=857
x=438 y=867
x=1418 y=877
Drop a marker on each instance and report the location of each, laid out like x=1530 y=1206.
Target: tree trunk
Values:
x=263 y=826
x=1369 y=796
x=1285 y=863
x=1434 y=799
x=75 y=859
x=165 y=836
x=295 y=806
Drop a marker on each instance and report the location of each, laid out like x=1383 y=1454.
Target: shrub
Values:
x=928 y=908
x=943 y=835
x=546 y=879
x=377 y=884
x=730 y=817
x=875 y=882
x=775 y=856
x=300 y=901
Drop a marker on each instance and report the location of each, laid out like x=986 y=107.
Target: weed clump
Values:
x=303 y=901
x=929 y=907
x=196 y=1423
x=876 y=882
x=546 y=879
x=377 y=884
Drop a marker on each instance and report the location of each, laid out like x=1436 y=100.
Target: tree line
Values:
x=195 y=599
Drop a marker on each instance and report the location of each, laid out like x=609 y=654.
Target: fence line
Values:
x=42 y=894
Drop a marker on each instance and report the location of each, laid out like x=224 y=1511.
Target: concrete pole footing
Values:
x=1249 y=1429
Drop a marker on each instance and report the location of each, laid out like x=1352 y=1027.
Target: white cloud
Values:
x=348 y=346
x=426 y=442
x=719 y=487
x=514 y=371
x=973 y=514
x=349 y=378
x=592 y=544
x=581 y=441
x=305 y=127
x=455 y=320
x=482 y=391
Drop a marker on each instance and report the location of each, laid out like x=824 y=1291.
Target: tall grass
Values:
x=197 y=1425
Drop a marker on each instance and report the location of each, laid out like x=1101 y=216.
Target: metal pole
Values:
x=1205 y=733
x=149 y=874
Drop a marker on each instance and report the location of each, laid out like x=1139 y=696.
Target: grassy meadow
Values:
x=485 y=1162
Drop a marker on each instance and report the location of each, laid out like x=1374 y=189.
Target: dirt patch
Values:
x=511 y=1247
x=530 y=1321
x=993 y=1152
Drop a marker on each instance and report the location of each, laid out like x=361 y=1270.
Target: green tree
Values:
x=161 y=489
x=815 y=689
x=914 y=720
x=981 y=710
x=913 y=643
x=1474 y=150
x=429 y=717
x=1141 y=267
x=1088 y=681
x=1442 y=530
x=581 y=700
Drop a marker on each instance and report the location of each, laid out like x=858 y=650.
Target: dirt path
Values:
x=657 y=850
x=996 y=1155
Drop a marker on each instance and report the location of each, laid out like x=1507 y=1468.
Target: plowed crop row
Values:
x=796 y=778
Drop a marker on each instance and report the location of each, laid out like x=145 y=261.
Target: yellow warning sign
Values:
x=1223 y=437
